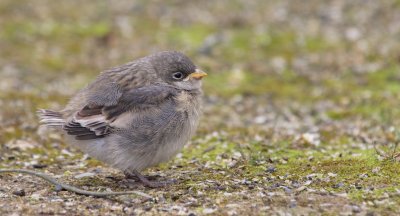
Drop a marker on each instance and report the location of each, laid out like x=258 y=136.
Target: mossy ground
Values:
x=297 y=98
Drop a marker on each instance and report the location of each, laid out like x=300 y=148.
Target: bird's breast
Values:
x=186 y=101
x=181 y=126
x=149 y=137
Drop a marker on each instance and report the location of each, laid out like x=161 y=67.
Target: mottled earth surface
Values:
x=301 y=110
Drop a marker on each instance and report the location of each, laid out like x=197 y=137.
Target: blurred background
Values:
x=300 y=75
x=320 y=55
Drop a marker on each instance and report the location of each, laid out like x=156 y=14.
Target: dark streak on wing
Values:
x=90 y=111
x=88 y=130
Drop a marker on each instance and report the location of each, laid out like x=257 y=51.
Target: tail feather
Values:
x=51 y=118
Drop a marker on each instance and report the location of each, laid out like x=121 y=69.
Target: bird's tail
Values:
x=51 y=119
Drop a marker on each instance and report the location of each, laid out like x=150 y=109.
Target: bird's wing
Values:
x=88 y=123
x=95 y=120
x=140 y=99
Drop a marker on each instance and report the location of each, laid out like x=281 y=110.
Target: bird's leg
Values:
x=152 y=184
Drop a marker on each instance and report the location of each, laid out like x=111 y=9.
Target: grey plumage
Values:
x=136 y=115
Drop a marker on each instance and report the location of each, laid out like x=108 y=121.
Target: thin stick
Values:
x=72 y=188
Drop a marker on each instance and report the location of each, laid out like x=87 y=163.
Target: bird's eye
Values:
x=177 y=75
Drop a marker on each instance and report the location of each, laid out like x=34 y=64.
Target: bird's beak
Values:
x=198 y=74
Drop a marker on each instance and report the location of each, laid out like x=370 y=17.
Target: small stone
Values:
x=220 y=188
x=301 y=189
x=35 y=196
x=246 y=182
x=95 y=206
x=271 y=169
x=338 y=185
x=295 y=184
x=116 y=208
x=20 y=192
x=232 y=212
x=332 y=174
x=232 y=205
x=260 y=119
x=287 y=190
x=307 y=182
x=147 y=208
x=58 y=188
x=292 y=204
x=356 y=209
x=39 y=166
x=370 y=214
x=232 y=164
x=376 y=170
x=326 y=205
x=208 y=211
x=236 y=155
x=83 y=175
x=353 y=33
x=311 y=138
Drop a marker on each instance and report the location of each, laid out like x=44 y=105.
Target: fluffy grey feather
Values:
x=136 y=115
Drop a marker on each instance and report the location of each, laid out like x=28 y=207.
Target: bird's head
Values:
x=177 y=69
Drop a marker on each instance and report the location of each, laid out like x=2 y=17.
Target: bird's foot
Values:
x=146 y=182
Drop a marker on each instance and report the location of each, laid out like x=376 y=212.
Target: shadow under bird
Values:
x=136 y=115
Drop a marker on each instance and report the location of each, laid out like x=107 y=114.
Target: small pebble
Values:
x=295 y=184
x=208 y=211
x=58 y=188
x=20 y=192
x=148 y=208
x=83 y=175
x=370 y=214
x=39 y=166
x=332 y=174
x=356 y=209
x=301 y=188
x=292 y=204
x=287 y=190
x=338 y=185
x=271 y=169
x=376 y=170
x=95 y=206
x=220 y=188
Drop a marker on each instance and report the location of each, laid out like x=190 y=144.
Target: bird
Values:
x=136 y=115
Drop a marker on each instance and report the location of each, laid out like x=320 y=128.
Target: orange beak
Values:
x=198 y=74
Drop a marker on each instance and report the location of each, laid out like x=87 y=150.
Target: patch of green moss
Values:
x=286 y=86
x=347 y=169
x=189 y=36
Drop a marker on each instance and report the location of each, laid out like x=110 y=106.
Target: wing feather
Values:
x=94 y=121
x=88 y=124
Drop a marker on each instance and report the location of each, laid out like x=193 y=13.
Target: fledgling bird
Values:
x=136 y=115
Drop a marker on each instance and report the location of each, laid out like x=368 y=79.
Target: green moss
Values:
x=349 y=170
x=189 y=36
x=90 y=181
x=286 y=86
